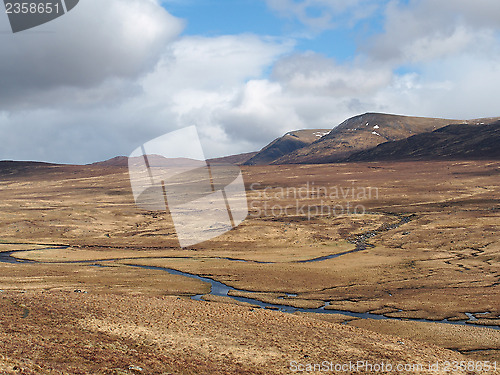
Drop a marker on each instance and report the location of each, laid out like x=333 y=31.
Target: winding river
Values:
x=220 y=289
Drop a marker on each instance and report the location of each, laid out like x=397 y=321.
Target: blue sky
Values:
x=226 y=17
x=111 y=75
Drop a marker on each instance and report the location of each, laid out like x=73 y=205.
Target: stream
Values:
x=220 y=289
x=223 y=290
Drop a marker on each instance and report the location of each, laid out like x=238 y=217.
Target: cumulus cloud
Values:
x=81 y=91
x=315 y=74
x=195 y=81
x=459 y=87
x=211 y=83
x=426 y=30
x=319 y=15
x=213 y=65
x=121 y=39
x=449 y=50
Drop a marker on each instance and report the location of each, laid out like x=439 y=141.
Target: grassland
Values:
x=442 y=262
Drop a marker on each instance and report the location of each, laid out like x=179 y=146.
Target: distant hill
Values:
x=34 y=170
x=450 y=142
x=10 y=167
x=237 y=159
x=286 y=144
x=122 y=161
x=117 y=161
x=364 y=132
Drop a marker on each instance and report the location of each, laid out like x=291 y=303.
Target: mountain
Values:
x=123 y=161
x=117 y=161
x=364 y=132
x=237 y=159
x=11 y=168
x=284 y=145
x=450 y=142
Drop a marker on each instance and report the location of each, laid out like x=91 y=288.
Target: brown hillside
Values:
x=237 y=159
x=364 y=132
x=284 y=145
x=451 y=142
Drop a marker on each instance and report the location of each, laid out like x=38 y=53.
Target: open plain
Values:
x=395 y=261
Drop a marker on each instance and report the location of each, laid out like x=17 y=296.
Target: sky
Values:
x=111 y=75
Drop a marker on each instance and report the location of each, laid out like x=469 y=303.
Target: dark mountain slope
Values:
x=288 y=143
x=365 y=132
x=451 y=142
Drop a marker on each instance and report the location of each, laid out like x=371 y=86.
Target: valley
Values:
x=417 y=256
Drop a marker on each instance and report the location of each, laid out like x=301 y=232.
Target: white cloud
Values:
x=261 y=111
x=319 y=15
x=209 y=82
x=96 y=94
x=195 y=82
x=315 y=74
x=426 y=30
x=450 y=50
x=213 y=65
x=121 y=39
x=459 y=87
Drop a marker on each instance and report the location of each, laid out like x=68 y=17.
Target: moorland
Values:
x=393 y=261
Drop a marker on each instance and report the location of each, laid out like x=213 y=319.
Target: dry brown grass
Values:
x=442 y=264
x=75 y=333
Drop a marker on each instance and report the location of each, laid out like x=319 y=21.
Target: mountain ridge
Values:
x=366 y=131
x=450 y=142
x=289 y=142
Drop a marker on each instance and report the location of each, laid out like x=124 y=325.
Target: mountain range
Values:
x=354 y=138
x=363 y=138
x=450 y=142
